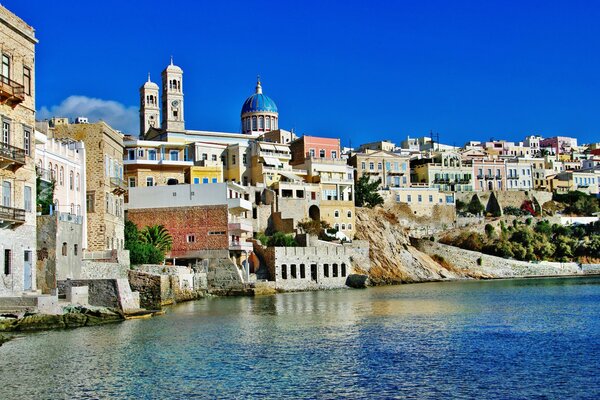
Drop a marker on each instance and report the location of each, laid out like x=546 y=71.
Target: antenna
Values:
x=433 y=142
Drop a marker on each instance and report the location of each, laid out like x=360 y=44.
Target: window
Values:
x=6 y=193
x=5 y=68
x=283 y=271
x=131 y=181
x=311 y=152
x=349 y=227
x=27 y=141
x=204 y=156
x=6 y=132
x=152 y=155
x=196 y=181
x=131 y=154
x=215 y=180
x=326 y=270
x=343 y=273
x=431 y=198
x=149 y=181
x=349 y=214
x=64 y=248
x=253 y=123
x=77 y=182
x=343 y=227
x=233 y=159
x=244 y=159
x=293 y=271
x=140 y=152
x=191 y=238
x=379 y=166
x=408 y=198
x=268 y=123
x=90 y=199
x=7 y=261
x=322 y=153
x=336 y=214
x=61 y=177
x=214 y=157
x=302 y=271
x=371 y=166
x=204 y=180
x=71 y=180
x=261 y=122
x=74 y=249
x=363 y=165
x=333 y=154
x=174 y=155
x=419 y=198
x=27 y=80
x=27 y=200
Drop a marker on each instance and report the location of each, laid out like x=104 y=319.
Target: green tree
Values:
x=475 y=206
x=158 y=236
x=140 y=252
x=44 y=195
x=280 y=239
x=365 y=192
x=490 y=232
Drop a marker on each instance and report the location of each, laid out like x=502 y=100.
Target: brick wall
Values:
x=183 y=221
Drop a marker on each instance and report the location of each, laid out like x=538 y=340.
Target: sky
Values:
x=358 y=70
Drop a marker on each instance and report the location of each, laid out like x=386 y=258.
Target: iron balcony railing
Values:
x=44 y=174
x=11 y=152
x=12 y=214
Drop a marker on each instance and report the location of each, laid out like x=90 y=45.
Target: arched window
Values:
x=77 y=182
x=349 y=214
x=253 y=123
x=261 y=122
x=64 y=248
x=52 y=176
x=336 y=214
x=71 y=180
x=72 y=209
x=61 y=177
x=269 y=123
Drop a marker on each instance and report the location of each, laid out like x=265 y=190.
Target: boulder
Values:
x=75 y=320
x=40 y=322
x=357 y=281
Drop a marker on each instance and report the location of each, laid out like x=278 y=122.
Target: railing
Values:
x=118 y=182
x=67 y=217
x=11 y=90
x=12 y=214
x=513 y=176
x=498 y=177
x=12 y=152
x=274 y=154
x=479 y=176
x=44 y=174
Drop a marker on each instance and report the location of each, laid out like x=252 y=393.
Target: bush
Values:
x=280 y=239
x=490 y=231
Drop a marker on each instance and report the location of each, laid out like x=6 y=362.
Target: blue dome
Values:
x=259 y=102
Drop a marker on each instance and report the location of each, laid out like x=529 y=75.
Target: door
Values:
x=313 y=272
x=27 y=278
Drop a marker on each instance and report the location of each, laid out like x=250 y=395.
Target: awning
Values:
x=290 y=176
x=284 y=149
x=267 y=146
x=272 y=161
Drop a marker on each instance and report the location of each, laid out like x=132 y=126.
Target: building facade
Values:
x=17 y=156
x=105 y=186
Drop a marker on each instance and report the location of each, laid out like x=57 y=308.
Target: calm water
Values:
x=502 y=339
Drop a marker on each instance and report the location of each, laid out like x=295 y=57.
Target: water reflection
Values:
x=500 y=339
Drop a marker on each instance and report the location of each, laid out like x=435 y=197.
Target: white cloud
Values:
x=117 y=115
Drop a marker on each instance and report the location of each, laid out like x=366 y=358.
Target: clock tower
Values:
x=172 y=99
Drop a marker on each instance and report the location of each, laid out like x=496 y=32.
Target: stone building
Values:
x=104 y=182
x=17 y=155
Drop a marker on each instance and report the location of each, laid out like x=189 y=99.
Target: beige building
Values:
x=446 y=171
x=104 y=181
x=391 y=169
x=17 y=152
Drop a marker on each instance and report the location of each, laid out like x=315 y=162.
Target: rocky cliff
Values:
x=393 y=259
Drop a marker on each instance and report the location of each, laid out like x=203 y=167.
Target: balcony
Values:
x=498 y=177
x=118 y=185
x=490 y=177
x=238 y=226
x=44 y=174
x=240 y=245
x=11 y=216
x=239 y=205
x=479 y=176
x=11 y=92
x=512 y=176
x=279 y=155
x=11 y=157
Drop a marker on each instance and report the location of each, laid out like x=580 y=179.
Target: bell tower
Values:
x=172 y=99
x=149 y=110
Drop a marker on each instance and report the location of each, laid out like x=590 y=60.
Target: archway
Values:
x=314 y=213
x=491 y=185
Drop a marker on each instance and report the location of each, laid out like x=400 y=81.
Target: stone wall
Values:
x=102 y=270
x=224 y=278
x=492 y=266
x=101 y=292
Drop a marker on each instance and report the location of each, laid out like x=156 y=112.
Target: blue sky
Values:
x=359 y=70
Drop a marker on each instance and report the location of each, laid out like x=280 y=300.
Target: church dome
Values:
x=259 y=102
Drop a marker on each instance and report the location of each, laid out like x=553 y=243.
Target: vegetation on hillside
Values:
x=578 y=203
x=365 y=192
x=278 y=239
x=528 y=242
x=142 y=248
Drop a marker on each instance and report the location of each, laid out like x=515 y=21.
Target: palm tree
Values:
x=158 y=236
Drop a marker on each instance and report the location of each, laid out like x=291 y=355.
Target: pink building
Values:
x=489 y=175
x=314 y=147
x=560 y=144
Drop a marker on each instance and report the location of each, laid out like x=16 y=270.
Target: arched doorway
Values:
x=314 y=213
x=491 y=185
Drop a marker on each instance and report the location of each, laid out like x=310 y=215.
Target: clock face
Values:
x=175 y=103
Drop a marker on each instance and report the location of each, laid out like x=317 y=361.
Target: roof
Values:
x=259 y=102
